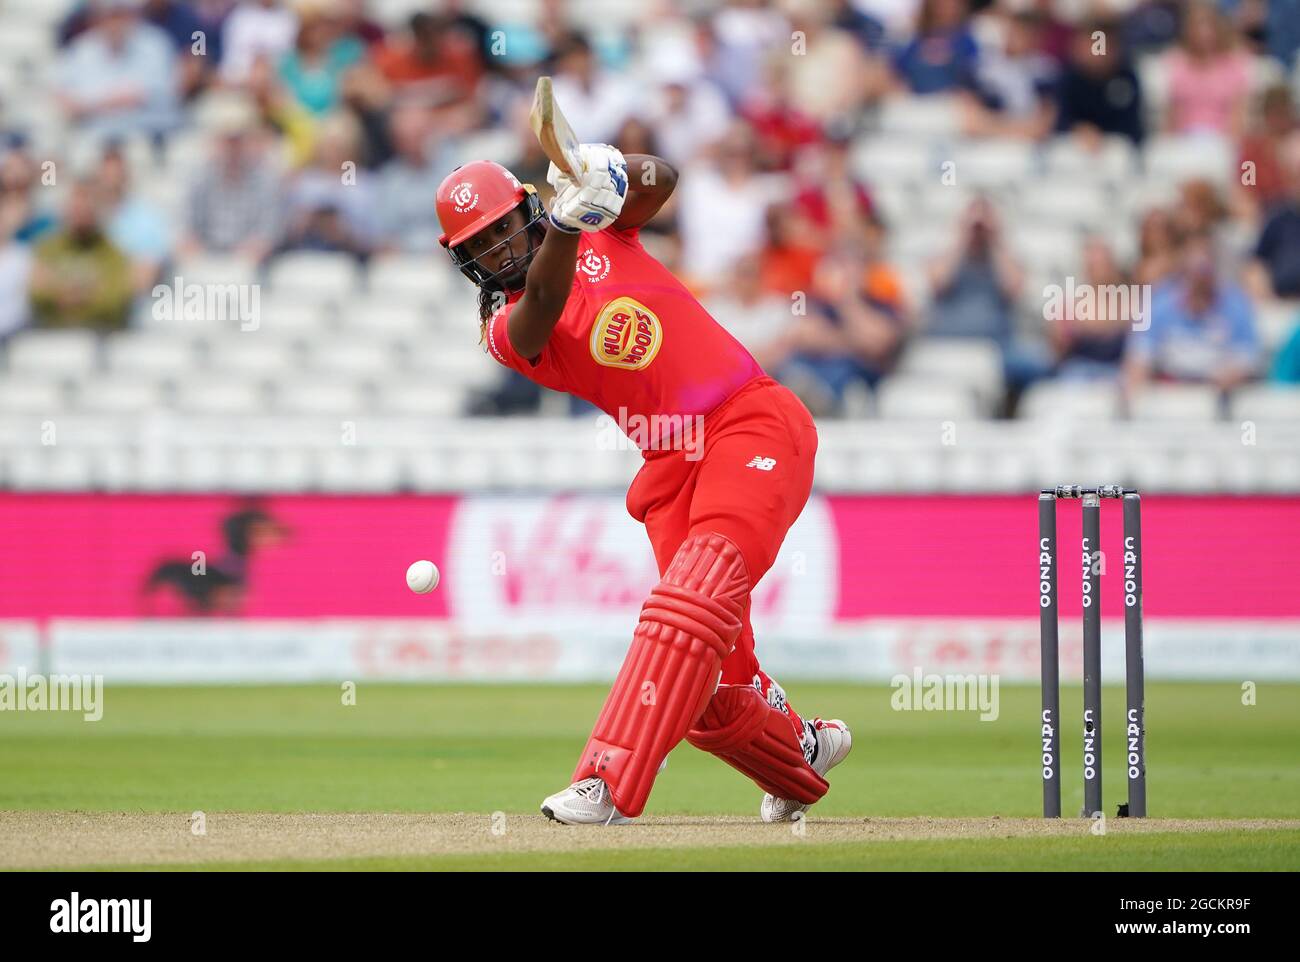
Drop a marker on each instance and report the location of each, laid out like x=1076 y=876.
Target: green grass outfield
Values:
x=498 y=748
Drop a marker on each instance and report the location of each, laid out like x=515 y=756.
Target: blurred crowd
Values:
x=324 y=127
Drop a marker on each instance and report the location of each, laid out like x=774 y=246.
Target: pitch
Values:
x=449 y=777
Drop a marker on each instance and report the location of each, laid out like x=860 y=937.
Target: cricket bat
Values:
x=553 y=131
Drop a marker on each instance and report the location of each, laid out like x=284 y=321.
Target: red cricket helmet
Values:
x=474 y=196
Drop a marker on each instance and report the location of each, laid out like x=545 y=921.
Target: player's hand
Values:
x=595 y=199
x=600 y=165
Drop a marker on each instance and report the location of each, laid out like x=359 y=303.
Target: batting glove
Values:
x=595 y=199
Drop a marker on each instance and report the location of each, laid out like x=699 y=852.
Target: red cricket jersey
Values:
x=632 y=339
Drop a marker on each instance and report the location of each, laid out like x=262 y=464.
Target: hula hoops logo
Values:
x=626 y=334
x=463 y=197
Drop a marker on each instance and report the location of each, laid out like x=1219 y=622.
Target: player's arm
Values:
x=592 y=203
x=546 y=290
x=650 y=182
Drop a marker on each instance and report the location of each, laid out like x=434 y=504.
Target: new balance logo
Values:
x=763 y=464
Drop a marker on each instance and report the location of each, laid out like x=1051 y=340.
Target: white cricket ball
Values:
x=422 y=577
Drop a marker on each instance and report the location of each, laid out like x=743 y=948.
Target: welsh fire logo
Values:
x=463 y=197
x=626 y=334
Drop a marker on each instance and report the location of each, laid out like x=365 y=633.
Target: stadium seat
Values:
x=942 y=204
x=918 y=243
x=253 y=353
x=1266 y=402
x=152 y=353
x=1282 y=472
x=200 y=469
x=25 y=42
x=214 y=269
x=910 y=398
x=1084 y=205
x=130 y=394
x=359 y=469
x=416 y=277
x=384 y=316
x=255 y=469
x=113 y=468
x=1276 y=322
x=1175 y=402
x=1173 y=159
x=920 y=118
x=994 y=163
x=1141 y=194
x=420 y=397
x=355 y=356
x=289 y=315
x=1055 y=249
x=314 y=276
x=52 y=468
x=325 y=395
x=30 y=395
x=973 y=362
x=896 y=161
x=290 y=469
x=1071 y=401
x=220 y=395
x=1067 y=162
x=61 y=353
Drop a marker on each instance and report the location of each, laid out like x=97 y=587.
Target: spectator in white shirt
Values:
x=120 y=77
x=722 y=208
x=595 y=101
x=686 y=113
x=256 y=29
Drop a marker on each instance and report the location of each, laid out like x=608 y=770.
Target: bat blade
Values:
x=552 y=131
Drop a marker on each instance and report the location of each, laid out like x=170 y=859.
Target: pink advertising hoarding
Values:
x=522 y=558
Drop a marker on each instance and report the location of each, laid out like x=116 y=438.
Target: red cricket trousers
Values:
x=748 y=480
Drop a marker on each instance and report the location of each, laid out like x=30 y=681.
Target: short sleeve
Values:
x=499 y=346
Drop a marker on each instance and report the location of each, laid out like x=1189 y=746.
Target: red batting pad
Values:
x=751 y=736
x=688 y=625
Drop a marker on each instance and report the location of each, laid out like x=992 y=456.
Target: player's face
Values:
x=502 y=248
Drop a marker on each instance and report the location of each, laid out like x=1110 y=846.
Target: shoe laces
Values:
x=595 y=791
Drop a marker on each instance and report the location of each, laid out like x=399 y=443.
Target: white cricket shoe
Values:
x=829 y=745
x=587 y=802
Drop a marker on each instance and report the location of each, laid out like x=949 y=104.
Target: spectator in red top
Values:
x=789 y=256
x=1261 y=148
x=780 y=127
x=830 y=196
x=434 y=55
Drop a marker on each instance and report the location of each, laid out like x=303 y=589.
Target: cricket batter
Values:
x=572 y=300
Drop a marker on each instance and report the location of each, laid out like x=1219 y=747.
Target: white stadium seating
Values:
x=357 y=379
